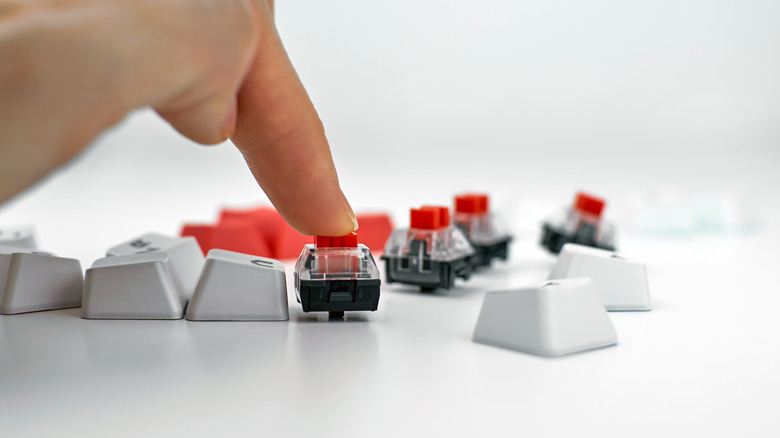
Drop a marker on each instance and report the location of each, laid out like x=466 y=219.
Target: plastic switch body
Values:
x=581 y=224
x=489 y=239
x=336 y=274
x=431 y=253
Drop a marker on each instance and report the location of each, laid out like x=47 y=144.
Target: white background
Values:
x=527 y=100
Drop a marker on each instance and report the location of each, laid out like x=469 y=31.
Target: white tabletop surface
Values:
x=422 y=100
x=703 y=362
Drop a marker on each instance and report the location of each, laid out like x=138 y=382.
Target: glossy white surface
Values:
x=704 y=361
x=529 y=101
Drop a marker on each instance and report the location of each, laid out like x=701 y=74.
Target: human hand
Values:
x=212 y=68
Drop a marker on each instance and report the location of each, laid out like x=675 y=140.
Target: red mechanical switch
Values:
x=471 y=203
x=580 y=223
x=336 y=274
x=431 y=253
x=443 y=215
x=429 y=218
x=423 y=219
x=338 y=261
x=348 y=241
x=486 y=233
x=588 y=204
x=323 y=241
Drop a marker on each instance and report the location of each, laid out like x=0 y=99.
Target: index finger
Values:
x=283 y=141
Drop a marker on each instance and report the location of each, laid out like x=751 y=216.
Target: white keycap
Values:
x=23 y=237
x=31 y=281
x=185 y=254
x=622 y=283
x=239 y=287
x=549 y=318
x=136 y=286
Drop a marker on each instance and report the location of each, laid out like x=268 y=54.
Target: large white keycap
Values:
x=185 y=254
x=239 y=287
x=31 y=281
x=549 y=318
x=137 y=286
x=23 y=237
x=622 y=283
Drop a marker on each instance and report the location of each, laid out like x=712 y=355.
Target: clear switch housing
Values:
x=581 y=223
x=336 y=274
x=430 y=254
x=485 y=232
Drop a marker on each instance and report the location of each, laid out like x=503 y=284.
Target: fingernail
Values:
x=351 y=215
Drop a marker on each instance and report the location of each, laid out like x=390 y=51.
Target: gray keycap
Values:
x=23 y=237
x=185 y=254
x=31 y=281
x=622 y=283
x=550 y=318
x=136 y=286
x=239 y=287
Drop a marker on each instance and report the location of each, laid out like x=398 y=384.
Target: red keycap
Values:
x=375 y=229
x=233 y=236
x=288 y=242
x=279 y=240
x=283 y=240
x=240 y=236
x=201 y=233
x=266 y=219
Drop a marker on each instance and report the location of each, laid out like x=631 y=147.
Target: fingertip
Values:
x=326 y=213
x=353 y=218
